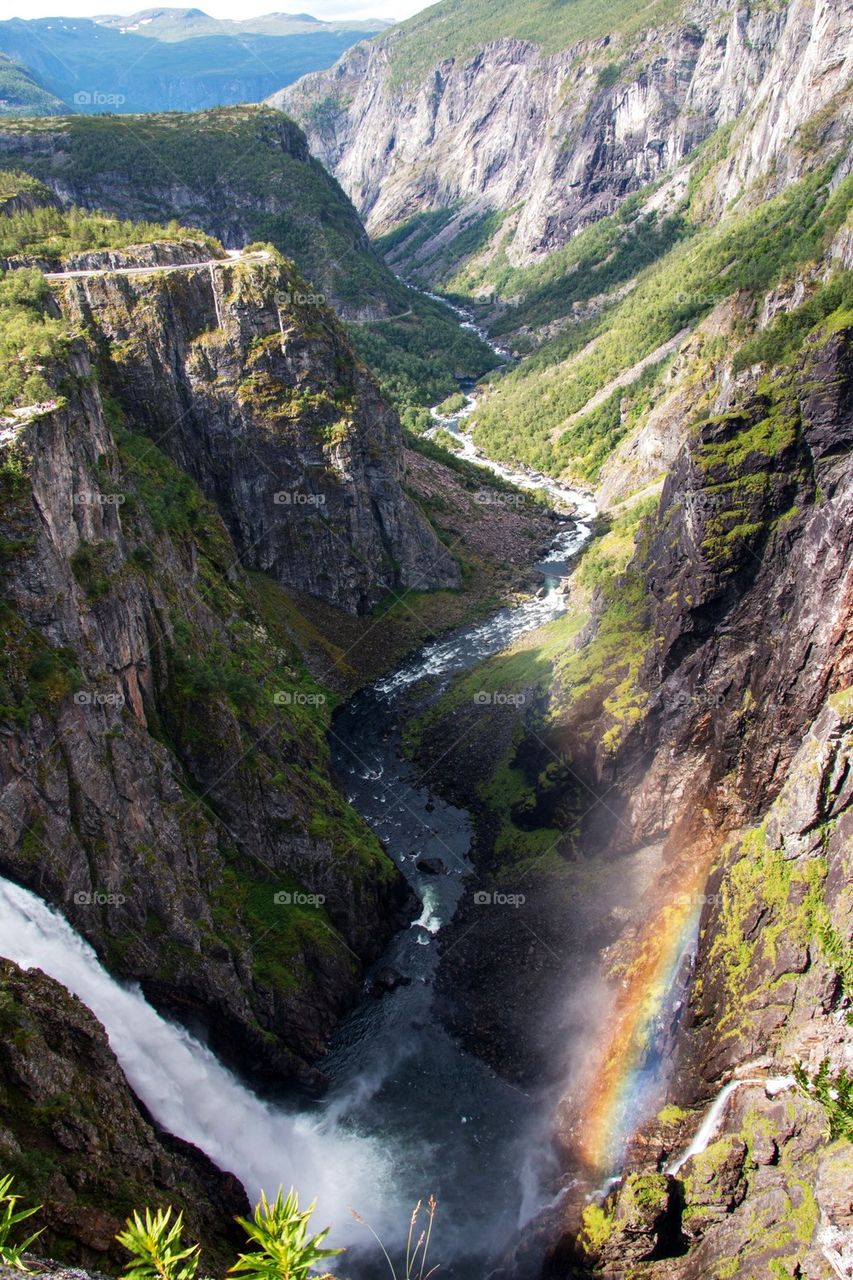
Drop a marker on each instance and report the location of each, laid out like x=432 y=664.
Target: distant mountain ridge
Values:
x=166 y=59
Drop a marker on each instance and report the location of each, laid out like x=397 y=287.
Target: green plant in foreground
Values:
x=417 y=1253
x=11 y=1254
x=155 y=1247
x=285 y=1250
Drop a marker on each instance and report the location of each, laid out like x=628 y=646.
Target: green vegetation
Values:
x=598 y=1225
x=156 y=1248
x=47 y=232
x=526 y=416
x=832 y=304
x=833 y=1092
x=285 y=1250
x=671 y=1114
x=460 y=27
x=452 y=404
x=31 y=339
x=250 y=165
x=22 y=93
x=417 y=356
x=10 y=1217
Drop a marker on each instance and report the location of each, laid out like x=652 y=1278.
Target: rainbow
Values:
x=612 y=1100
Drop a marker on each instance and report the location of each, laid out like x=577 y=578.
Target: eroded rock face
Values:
x=510 y=126
x=259 y=397
x=80 y=1144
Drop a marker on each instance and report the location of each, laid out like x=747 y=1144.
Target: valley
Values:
x=427 y=555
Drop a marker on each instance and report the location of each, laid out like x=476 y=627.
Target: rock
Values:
x=431 y=866
x=509 y=125
x=386 y=980
x=215 y=376
x=135 y=609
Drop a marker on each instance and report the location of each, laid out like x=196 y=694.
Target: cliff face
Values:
x=561 y=138
x=257 y=395
x=77 y=1141
x=683 y=765
x=165 y=770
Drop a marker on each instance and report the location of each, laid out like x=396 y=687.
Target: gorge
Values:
x=425 y=701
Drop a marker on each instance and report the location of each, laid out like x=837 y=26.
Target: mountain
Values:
x=170 y=59
x=207 y=512
x=511 y=142
x=23 y=94
x=184 y=24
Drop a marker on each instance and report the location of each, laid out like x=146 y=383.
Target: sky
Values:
x=392 y=10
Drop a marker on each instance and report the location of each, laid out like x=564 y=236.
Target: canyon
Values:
x=534 y=713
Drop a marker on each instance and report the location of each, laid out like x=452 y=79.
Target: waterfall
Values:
x=711 y=1123
x=190 y=1093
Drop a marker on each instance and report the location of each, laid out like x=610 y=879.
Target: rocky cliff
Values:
x=252 y=389
x=78 y=1142
x=676 y=786
x=165 y=770
x=517 y=145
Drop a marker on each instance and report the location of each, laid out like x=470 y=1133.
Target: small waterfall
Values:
x=191 y=1094
x=709 y=1126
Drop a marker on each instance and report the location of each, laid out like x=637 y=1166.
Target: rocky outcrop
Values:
x=567 y=135
x=79 y=1143
x=257 y=395
x=165 y=774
